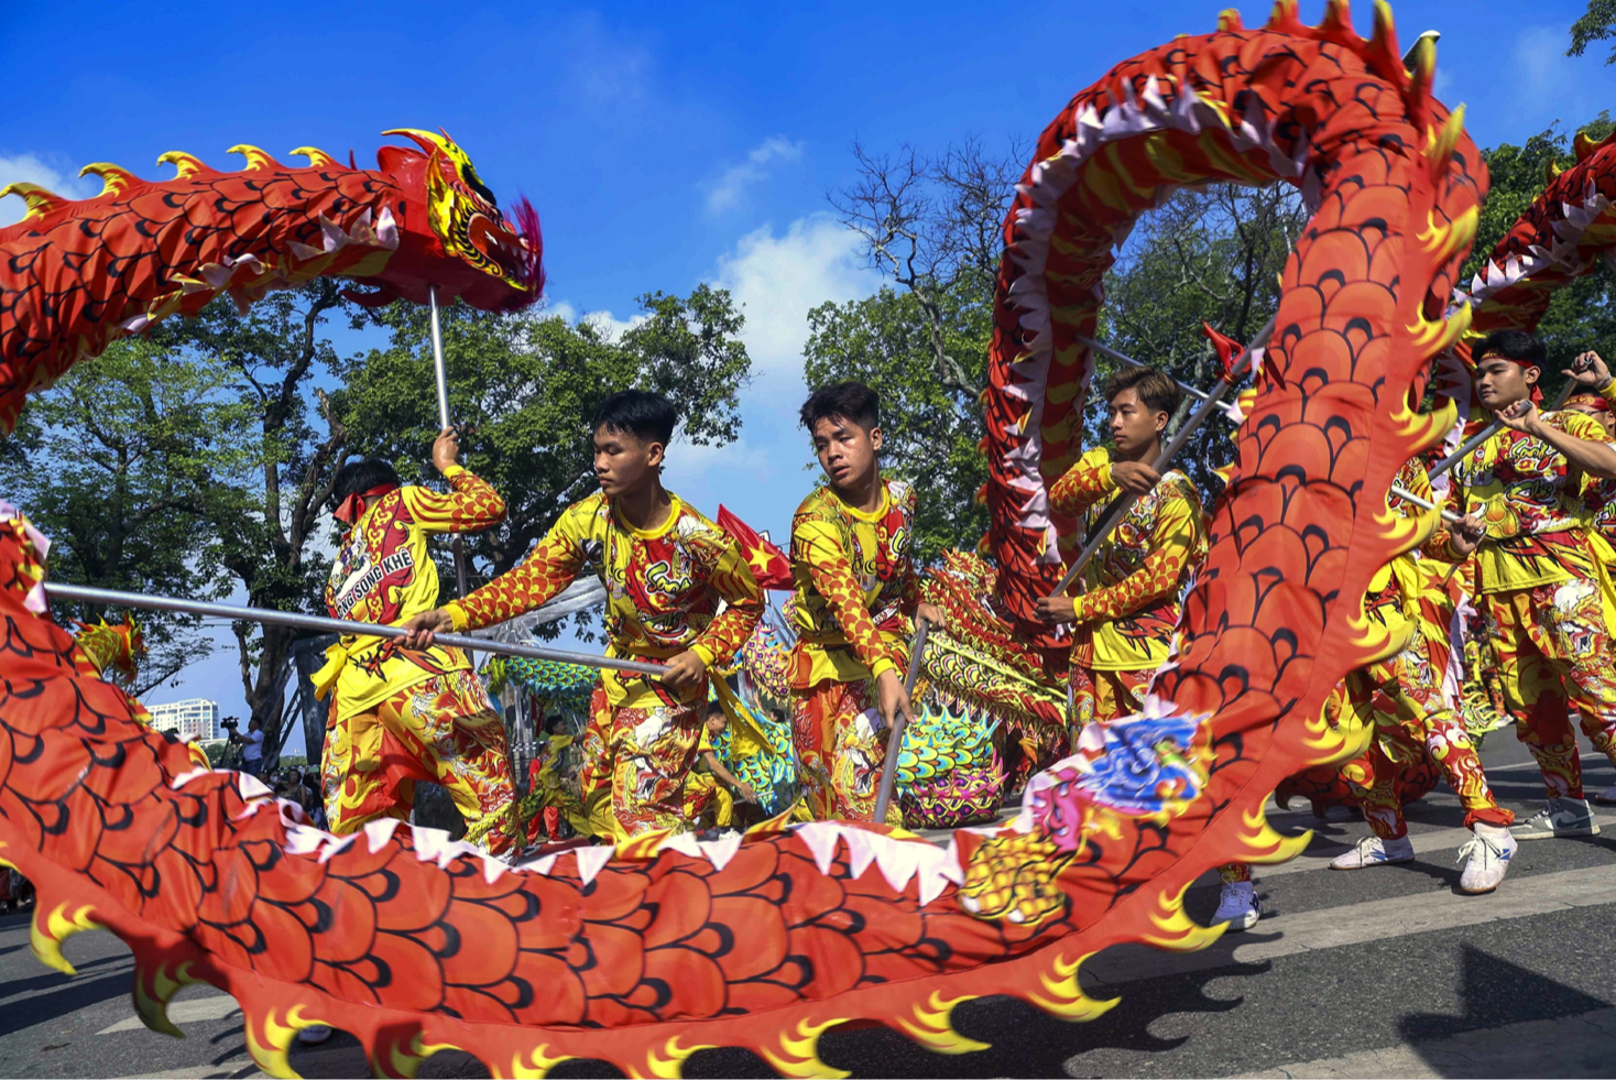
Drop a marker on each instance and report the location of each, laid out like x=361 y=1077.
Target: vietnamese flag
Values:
x=769 y=564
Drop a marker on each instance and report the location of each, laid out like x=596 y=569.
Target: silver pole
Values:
x=437 y=360
x=1119 y=506
x=462 y=568
x=117 y=598
x=889 y=767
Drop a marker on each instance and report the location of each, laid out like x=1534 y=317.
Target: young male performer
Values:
x=1407 y=591
x=1128 y=607
x=1600 y=495
x=1540 y=568
x=854 y=583
x=402 y=715
x=666 y=568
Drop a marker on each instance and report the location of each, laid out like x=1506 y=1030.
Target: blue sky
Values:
x=662 y=146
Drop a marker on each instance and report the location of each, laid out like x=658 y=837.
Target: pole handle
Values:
x=889 y=766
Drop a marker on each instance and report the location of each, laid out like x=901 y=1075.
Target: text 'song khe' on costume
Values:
x=400 y=716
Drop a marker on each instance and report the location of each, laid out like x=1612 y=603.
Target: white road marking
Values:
x=185 y=1011
x=1372 y=920
x=1581 y=1045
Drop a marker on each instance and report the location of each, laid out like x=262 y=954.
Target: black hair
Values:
x=850 y=400
x=714 y=708
x=647 y=416
x=1515 y=345
x=358 y=477
x=1157 y=390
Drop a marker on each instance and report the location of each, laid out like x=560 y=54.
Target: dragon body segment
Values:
x=77 y=275
x=644 y=954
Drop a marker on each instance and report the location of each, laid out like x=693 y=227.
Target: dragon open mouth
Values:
x=499 y=245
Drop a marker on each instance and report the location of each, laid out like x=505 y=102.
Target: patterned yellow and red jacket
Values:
x=1129 y=605
x=383 y=573
x=663 y=588
x=855 y=585
x=1540 y=523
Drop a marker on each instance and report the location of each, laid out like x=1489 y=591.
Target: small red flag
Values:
x=769 y=564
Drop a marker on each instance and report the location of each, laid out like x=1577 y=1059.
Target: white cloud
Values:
x=725 y=193
x=48 y=172
x=604 y=321
x=777 y=280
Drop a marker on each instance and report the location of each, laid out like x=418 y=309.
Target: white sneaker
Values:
x=1373 y=851
x=1607 y=797
x=1559 y=817
x=1485 y=858
x=1238 y=905
x=313 y=1035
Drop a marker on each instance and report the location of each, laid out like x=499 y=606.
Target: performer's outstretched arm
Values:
x=550 y=567
x=1084 y=484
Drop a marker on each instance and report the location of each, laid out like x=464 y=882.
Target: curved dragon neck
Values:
x=79 y=275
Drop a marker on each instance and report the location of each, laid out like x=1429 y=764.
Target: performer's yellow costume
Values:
x=855 y=585
x=1129 y=605
x=663 y=590
x=1542 y=583
x=401 y=716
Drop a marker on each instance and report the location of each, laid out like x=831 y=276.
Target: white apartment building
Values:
x=195 y=717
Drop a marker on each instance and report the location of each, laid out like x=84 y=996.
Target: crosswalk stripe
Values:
x=185 y=1011
x=1582 y=1045
x=1372 y=920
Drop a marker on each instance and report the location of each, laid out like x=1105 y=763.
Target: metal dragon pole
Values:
x=462 y=572
x=118 y=598
x=889 y=767
x=1119 y=506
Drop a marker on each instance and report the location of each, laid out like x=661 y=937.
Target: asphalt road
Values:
x=1382 y=972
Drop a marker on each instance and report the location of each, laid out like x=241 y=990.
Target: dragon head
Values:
x=461 y=243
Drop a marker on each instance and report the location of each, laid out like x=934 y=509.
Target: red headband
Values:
x=348 y=509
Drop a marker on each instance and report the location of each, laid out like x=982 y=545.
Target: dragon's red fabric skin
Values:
x=642 y=955
x=74 y=276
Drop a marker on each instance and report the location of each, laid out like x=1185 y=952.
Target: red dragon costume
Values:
x=643 y=954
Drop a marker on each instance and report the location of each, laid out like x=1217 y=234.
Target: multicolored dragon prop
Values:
x=77 y=275
x=644 y=954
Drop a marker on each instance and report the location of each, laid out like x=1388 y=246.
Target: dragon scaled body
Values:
x=643 y=954
x=77 y=275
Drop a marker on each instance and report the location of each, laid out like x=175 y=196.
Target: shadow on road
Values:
x=1494 y=993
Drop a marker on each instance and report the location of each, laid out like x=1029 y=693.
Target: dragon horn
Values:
x=40 y=201
x=317 y=158
x=188 y=165
x=113 y=178
x=1410 y=57
x=257 y=160
x=424 y=139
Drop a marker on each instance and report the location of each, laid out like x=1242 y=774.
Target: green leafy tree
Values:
x=1582 y=315
x=1598 y=23
x=263 y=516
x=114 y=463
x=522 y=389
x=1211 y=256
